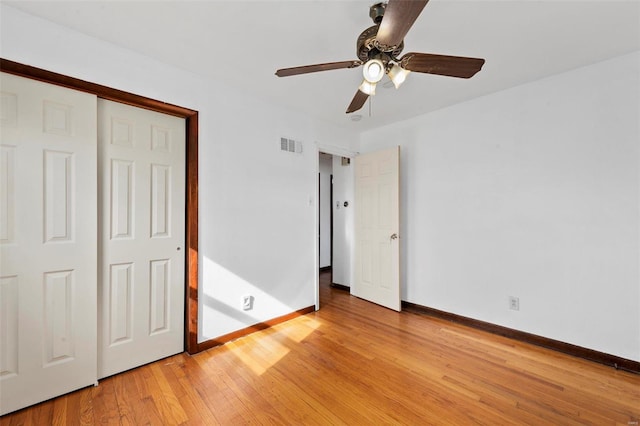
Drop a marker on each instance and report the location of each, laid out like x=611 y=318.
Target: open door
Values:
x=377 y=226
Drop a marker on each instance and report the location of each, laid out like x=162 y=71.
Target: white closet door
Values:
x=48 y=241
x=141 y=257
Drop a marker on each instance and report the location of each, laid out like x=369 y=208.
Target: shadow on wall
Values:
x=266 y=352
x=222 y=297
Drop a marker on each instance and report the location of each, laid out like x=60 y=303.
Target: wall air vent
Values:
x=290 y=145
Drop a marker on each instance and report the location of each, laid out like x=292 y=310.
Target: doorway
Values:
x=325 y=212
x=381 y=210
x=334 y=217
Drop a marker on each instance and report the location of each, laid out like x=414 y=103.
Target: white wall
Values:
x=531 y=192
x=343 y=181
x=325 y=165
x=257 y=204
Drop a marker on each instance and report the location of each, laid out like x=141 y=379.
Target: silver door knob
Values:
x=394 y=236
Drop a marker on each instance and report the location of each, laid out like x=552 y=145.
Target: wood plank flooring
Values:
x=355 y=363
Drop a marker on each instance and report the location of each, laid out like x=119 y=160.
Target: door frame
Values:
x=334 y=151
x=331 y=217
x=191 y=190
x=320 y=201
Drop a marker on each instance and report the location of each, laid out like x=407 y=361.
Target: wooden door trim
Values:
x=191 y=189
x=331 y=220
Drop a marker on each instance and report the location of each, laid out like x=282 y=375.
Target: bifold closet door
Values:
x=141 y=173
x=48 y=241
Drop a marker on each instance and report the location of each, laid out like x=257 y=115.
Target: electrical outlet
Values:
x=247 y=302
x=514 y=303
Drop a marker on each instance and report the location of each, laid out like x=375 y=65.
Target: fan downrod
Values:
x=376 y=12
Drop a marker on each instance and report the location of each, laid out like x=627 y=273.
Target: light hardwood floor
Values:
x=358 y=364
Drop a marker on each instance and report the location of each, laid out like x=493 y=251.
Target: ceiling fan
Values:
x=378 y=49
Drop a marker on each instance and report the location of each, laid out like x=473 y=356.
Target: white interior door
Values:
x=48 y=242
x=141 y=173
x=377 y=226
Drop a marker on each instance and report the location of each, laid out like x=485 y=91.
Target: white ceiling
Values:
x=243 y=42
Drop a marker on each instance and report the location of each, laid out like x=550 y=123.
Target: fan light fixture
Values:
x=367 y=87
x=398 y=75
x=378 y=50
x=373 y=70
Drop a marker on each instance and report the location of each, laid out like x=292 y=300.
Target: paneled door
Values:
x=48 y=241
x=377 y=227
x=141 y=171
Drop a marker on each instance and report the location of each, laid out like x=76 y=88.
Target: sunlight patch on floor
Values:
x=255 y=356
x=262 y=350
x=298 y=329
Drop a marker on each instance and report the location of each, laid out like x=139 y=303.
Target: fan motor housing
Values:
x=366 y=47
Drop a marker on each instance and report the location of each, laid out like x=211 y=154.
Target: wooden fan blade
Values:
x=399 y=16
x=286 y=72
x=357 y=102
x=452 y=66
